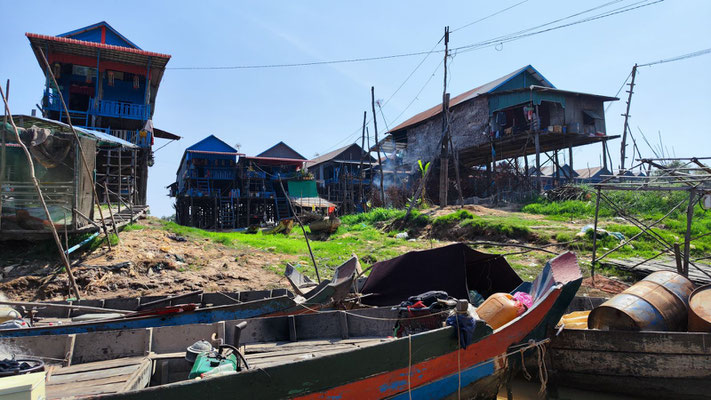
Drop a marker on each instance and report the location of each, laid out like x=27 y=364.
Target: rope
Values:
x=377 y=318
x=542 y=369
x=409 y=366
x=459 y=362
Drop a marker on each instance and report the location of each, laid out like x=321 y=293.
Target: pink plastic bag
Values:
x=524 y=300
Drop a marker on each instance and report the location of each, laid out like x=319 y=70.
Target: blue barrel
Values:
x=659 y=302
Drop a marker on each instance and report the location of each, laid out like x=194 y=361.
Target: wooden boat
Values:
x=326 y=225
x=214 y=307
x=646 y=364
x=330 y=354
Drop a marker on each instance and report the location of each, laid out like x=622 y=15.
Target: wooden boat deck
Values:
x=101 y=377
x=260 y=355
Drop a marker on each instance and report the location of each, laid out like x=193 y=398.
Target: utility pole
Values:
x=444 y=157
x=627 y=116
x=361 y=175
x=380 y=162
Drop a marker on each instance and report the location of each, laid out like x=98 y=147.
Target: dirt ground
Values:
x=154 y=261
x=150 y=261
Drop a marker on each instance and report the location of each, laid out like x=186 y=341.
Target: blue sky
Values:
x=319 y=108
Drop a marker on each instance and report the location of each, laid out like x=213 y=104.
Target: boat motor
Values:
x=209 y=361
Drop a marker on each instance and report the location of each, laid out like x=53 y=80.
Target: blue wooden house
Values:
x=219 y=188
x=110 y=85
x=338 y=176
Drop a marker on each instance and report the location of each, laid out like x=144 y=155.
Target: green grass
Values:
x=133 y=227
x=453 y=218
x=645 y=206
x=367 y=242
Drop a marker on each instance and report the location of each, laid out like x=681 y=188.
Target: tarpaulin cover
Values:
x=455 y=269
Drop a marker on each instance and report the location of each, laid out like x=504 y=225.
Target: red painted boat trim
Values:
x=428 y=371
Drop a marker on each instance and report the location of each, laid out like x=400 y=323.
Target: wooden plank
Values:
x=96 y=374
x=141 y=378
x=650 y=388
x=630 y=342
x=77 y=386
x=93 y=366
x=85 y=391
x=633 y=364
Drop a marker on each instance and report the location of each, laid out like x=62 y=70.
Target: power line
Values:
x=506 y=38
x=488 y=16
x=678 y=58
x=488 y=43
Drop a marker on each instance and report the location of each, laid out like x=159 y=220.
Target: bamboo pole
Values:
x=3 y=157
x=291 y=206
x=81 y=150
x=111 y=212
x=380 y=162
x=35 y=182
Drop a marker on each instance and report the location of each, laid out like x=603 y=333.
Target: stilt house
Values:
x=109 y=85
x=219 y=188
x=518 y=115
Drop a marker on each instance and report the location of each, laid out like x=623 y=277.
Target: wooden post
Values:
x=380 y=163
x=120 y=179
x=35 y=182
x=570 y=158
x=296 y=217
x=456 y=171
x=677 y=256
x=627 y=116
x=81 y=150
x=594 y=251
x=361 y=174
x=604 y=156
x=111 y=212
x=3 y=158
x=687 y=235
x=444 y=156
x=557 y=168
x=538 y=161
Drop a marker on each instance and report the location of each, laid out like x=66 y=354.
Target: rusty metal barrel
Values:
x=659 y=302
x=700 y=309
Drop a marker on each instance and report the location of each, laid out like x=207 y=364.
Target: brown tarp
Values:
x=455 y=269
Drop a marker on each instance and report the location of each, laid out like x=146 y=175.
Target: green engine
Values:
x=208 y=360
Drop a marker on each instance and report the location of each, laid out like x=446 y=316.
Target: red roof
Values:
x=96 y=45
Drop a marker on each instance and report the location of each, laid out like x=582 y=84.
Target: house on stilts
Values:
x=514 y=125
x=109 y=86
x=219 y=188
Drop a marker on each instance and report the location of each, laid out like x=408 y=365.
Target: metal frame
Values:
x=692 y=176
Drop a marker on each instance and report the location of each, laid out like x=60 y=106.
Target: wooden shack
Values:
x=64 y=182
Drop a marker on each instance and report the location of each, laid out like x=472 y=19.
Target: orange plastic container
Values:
x=498 y=310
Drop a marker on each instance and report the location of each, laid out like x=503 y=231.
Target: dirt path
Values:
x=148 y=261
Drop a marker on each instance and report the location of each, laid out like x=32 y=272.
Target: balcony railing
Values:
x=105 y=108
x=119 y=109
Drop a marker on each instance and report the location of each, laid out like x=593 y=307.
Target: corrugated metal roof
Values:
x=468 y=95
x=335 y=153
x=104 y=138
x=312 y=202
